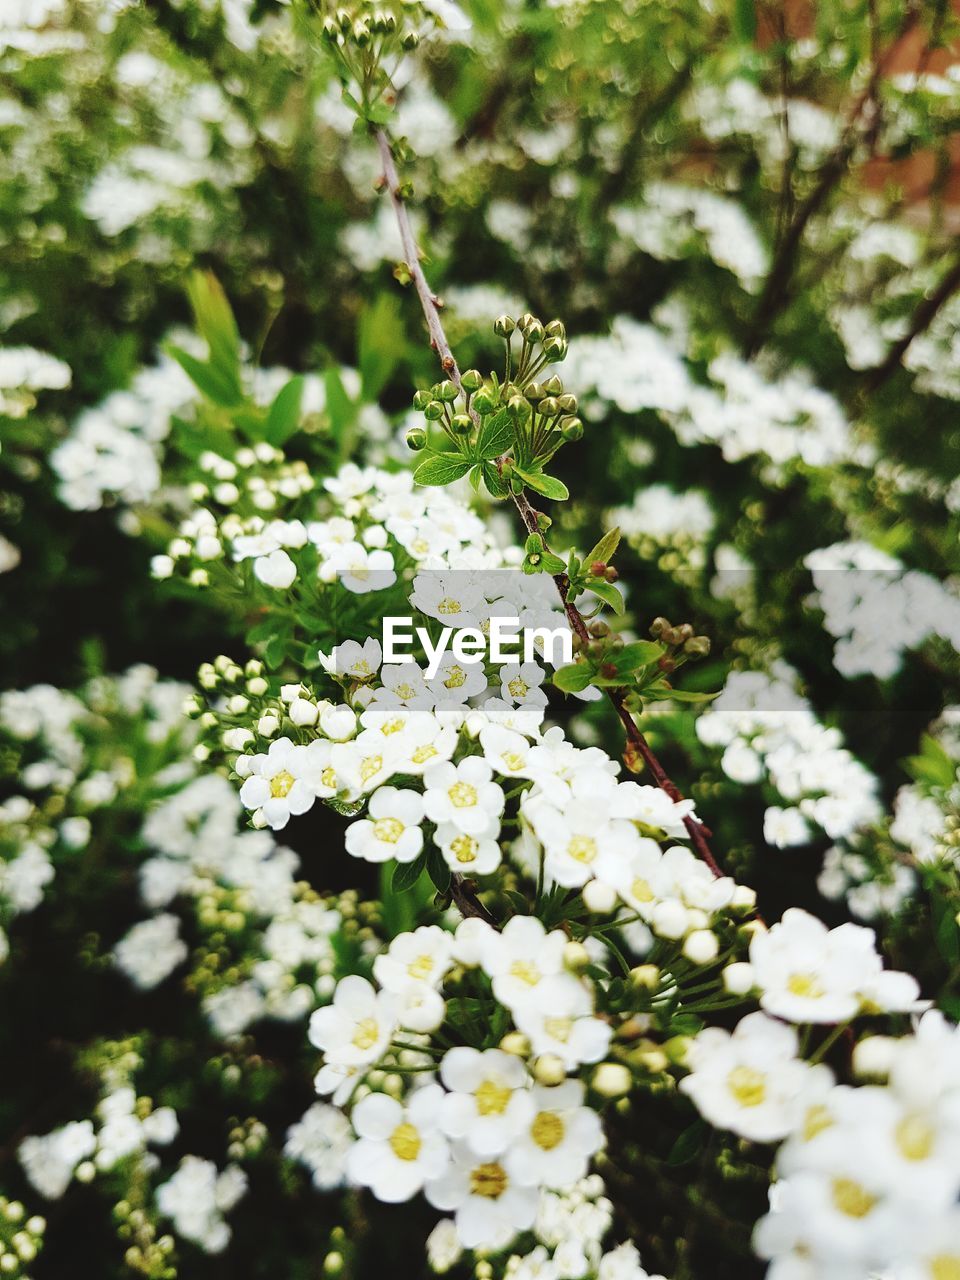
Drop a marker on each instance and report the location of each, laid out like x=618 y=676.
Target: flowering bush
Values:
x=631 y=951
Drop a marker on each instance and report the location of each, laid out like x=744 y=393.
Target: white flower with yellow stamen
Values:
x=354 y=1030
x=366 y=762
x=489 y=1207
x=391 y=828
x=464 y=795
x=470 y=855
x=489 y=1100
x=561 y=1022
x=275 y=785
x=359 y=662
x=398 y=1148
x=520 y=683
x=555 y=1147
x=455 y=599
x=520 y=957
x=359 y=569
x=574 y=838
x=422 y=957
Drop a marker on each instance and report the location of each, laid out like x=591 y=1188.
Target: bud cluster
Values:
x=685 y=644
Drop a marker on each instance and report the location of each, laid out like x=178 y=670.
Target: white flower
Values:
x=196 y=1198
x=490 y=1099
x=752 y=1081
x=275 y=569
x=277 y=783
x=650 y=805
x=456 y=599
x=357 y=1027
x=443 y=1246
x=456 y=681
x=808 y=973
x=464 y=795
x=321 y=1140
x=489 y=1207
x=399 y=1148
x=49 y=1161
x=520 y=683
x=556 y=1144
x=359 y=569
x=574 y=838
x=423 y=957
x=519 y=958
x=470 y=855
x=560 y=1021
x=392 y=829
x=784 y=828
x=151 y=950
x=359 y=662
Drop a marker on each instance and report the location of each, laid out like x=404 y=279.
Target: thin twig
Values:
x=637 y=746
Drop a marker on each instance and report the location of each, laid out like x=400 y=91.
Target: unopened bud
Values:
x=416 y=439
x=472 y=380
x=548 y=1069
x=612 y=1080
x=503 y=326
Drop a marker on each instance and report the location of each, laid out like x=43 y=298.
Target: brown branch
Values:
x=637 y=745
x=923 y=317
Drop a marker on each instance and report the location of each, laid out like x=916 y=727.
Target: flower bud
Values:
x=472 y=380
x=567 y=403
x=303 y=712
x=598 y=897
x=534 y=332
x=697 y=647
x=421 y=399
x=645 y=976
x=461 y=424
x=738 y=978
x=433 y=411
x=257 y=686
x=658 y=626
x=554 y=349
x=576 y=957
x=525 y=321
x=515 y=1042
x=612 y=1080
x=416 y=439
x=549 y=1069
x=446 y=390
x=571 y=429
x=534 y=391
x=548 y=407
x=485 y=401
x=555 y=329
x=701 y=946
x=516 y=406
x=503 y=326
x=552 y=386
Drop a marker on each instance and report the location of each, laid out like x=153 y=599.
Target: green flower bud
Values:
x=525 y=321
x=416 y=438
x=567 y=403
x=697 y=647
x=361 y=33
x=553 y=386
x=571 y=429
x=472 y=380
x=685 y=631
x=508 y=390
x=555 y=349
x=461 y=423
x=410 y=40
x=555 y=329
x=516 y=406
x=548 y=407
x=534 y=332
x=534 y=391
x=658 y=626
x=503 y=326
x=421 y=399
x=485 y=401
x=433 y=412
x=446 y=390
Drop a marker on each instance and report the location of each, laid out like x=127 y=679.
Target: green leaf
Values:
x=660 y=691
x=215 y=384
x=380 y=344
x=745 y=20
x=946 y=931
x=437 y=869
x=608 y=593
x=215 y=322
x=534 y=543
x=573 y=679
x=340 y=407
x=689 y=1144
x=548 y=486
x=283 y=417
x=442 y=468
x=406 y=874
x=549 y=563
x=275 y=651
x=496 y=486
x=639 y=654
x=605 y=548
x=496 y=436
x=933 y=765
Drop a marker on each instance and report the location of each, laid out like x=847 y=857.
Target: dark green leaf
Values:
x=494 y=481
x=215 y=384
x=406 y=874
x=496 y=436
x=380 y=345
x=283 y=417
x=608 y=593
x=441 y=468
x=689 y=1144
x=548 y=486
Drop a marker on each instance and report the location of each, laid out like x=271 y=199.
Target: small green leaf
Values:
x=933 y=765
x=283 y=417
x=605 y=549
x=496 y=486
x=689 y=1144
x=437 y=869
x=442 y=468
x=633 y=656
x=946 y=931
x=215 y=384
x=549 y=563
x=407 y=874
x=660 y=691
x=548 y=486
x=496 y=436
x=608 y=593
x=215 y=322
x=574 y=678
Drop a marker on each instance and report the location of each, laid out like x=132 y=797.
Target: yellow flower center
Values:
x=465 y=848
x=388 y=830
x=360 y=571
x=488 y=1180
x=462 y=795
x=945 y=1267
x=365 y=1034
x=559 y=1028
x=513 y=760
x=518 y=688
x=547 y=1130
x=915 y=1138
x=405 y=691
x=582 y=848
x=405 y=1142
x=421 y=968
x=328 y=777
x=526 y=971
x=426 y=752
x=361 y=669
x=492 y=1098
x=392 y=726
x=851 y=1198
x=448 y=606
x=641 y=890
x=748 y=1086
x=370 y=767
x=816 y=1120
x=281 y=783
x=806 y=985
x=456 y=678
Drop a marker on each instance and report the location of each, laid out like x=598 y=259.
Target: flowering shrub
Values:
x=630 y=952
